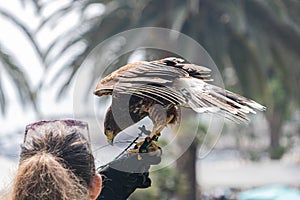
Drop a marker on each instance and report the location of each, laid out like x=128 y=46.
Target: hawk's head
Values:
x=111 y=128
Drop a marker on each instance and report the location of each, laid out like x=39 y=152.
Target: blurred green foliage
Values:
x=259 y=41
x=164 y=185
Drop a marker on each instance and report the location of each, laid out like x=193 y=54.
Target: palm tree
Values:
x=12 y=70
x=257 y=40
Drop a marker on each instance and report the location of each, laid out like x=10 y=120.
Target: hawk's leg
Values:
x=158 y=115
x=160 y=120
x=157 y=130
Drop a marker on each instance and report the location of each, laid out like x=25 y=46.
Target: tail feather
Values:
x=209 y=98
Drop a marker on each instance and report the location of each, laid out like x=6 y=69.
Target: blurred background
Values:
x=255 y=45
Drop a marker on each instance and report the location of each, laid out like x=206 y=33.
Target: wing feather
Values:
x=156 y=92
x=161 y=72
x=204 y=97
x=171 y=80
x=153 y=78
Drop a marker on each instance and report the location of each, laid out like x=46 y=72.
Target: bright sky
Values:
x=16 y=44
x=14 y=41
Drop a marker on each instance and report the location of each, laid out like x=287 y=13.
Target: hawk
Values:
x=157 y=89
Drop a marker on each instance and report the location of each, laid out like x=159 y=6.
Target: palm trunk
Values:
x=186 y=166
x=275 y=123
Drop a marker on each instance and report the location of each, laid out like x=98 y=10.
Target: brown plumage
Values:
x=156 y=89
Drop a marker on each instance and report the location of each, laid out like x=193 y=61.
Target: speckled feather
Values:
x=171 y=83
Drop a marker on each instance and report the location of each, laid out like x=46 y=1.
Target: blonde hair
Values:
x=55 y=163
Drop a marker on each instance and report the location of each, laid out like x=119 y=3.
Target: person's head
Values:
x=56 y=162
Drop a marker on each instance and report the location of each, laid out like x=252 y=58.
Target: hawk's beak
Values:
x=110 y=137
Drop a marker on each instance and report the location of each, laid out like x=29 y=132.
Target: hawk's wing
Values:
x=171 y=80
x=151 y=79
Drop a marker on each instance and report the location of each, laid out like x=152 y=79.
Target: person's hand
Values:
x=123 y=176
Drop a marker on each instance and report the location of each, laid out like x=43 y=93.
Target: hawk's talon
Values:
x=146 y=146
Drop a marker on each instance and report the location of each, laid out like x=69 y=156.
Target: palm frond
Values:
x=288 y=34
x=18 y=78
x=36 y=3
x=73 y=66
x=55 y=17
x=2 y=98
x=25 y=30
x=241 y=30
